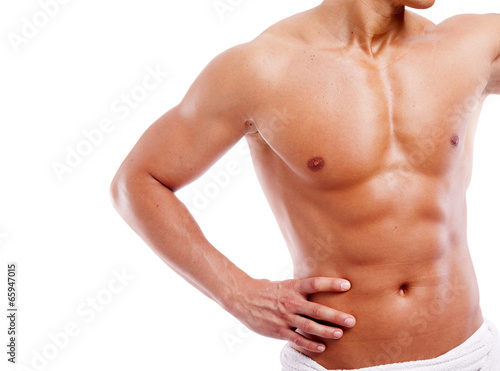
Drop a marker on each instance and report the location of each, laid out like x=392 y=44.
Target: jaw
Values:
x=418 y=4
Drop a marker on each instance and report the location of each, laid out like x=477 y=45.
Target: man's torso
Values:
x=365 y=161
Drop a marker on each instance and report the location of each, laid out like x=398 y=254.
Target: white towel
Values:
x=481 y=352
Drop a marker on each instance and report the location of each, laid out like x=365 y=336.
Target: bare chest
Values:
x=337 y=121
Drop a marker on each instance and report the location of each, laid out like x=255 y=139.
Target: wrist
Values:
x=237 y=296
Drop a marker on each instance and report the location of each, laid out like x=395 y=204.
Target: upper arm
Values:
x=189 y=138
x=492 y=23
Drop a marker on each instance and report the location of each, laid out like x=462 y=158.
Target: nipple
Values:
x=454 y=140
x=316 y=163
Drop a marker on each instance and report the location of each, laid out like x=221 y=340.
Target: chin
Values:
x=419 y=4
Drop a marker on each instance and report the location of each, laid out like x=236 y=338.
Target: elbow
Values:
x=129 y=189
x=117 y=191
x=123 y=190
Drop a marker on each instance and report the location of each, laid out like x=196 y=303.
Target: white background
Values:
x=68 y=241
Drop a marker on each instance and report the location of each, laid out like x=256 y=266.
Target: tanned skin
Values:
x=360 y=116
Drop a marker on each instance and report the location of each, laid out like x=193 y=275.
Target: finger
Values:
x=323 y=284
x=327 y=314
x=311 y=327
x=303 y=342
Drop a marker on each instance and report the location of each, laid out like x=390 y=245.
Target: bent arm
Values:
x=174 y=151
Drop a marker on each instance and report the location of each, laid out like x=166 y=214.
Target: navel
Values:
x=454 y=140
x=316 y=163
x=403 y=289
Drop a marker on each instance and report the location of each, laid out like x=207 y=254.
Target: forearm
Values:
x=273 y=309
x=164 y=223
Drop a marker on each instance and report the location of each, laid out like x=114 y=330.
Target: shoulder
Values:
x=246 y=71
x=239 y=80
x=475 y=37
x=271 y=51
x=481 y=30
x=272 y=48
x=473 y=40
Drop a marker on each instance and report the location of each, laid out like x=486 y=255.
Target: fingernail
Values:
x=346 y=285
x=321 y=348
x=337 y=334
x=349 y=322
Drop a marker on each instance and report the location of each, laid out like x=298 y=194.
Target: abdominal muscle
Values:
x=414 y=299
x=401 y=243
x=413 y=291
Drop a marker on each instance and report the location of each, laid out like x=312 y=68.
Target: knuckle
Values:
x=285 y=319
x=284 y=302
x=315 y=284
x=338 y=318
x=297 y=340
x=310 y=346
x=316 y=311
x=288 y=284
x=287 y=302
x=313 y=347
x=280 y=332
x=307 y=326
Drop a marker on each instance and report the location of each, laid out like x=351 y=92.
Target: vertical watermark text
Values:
x=11 y=312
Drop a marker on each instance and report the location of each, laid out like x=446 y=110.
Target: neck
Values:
x=370 y=24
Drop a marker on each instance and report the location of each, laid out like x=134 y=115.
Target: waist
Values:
x=404 y=312
x=478 y=351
